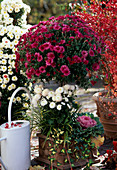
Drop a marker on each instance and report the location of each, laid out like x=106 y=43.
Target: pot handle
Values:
x=11 y=100
x=1 y=139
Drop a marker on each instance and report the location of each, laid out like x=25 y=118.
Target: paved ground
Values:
x=88 y=105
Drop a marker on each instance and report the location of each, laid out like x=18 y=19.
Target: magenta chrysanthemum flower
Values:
x=91 y=53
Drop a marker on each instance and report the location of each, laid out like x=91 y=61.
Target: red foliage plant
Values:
x=102 y=17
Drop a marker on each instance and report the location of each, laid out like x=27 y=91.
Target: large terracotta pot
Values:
x=107 y=112
x=44 y=153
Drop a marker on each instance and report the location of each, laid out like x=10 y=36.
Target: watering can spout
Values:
x=11 y=100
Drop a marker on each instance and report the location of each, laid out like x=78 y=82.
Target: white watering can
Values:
x=15 y=141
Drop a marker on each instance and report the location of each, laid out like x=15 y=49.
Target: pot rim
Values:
x=97 y=97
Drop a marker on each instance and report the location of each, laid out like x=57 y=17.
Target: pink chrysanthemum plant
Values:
x=65 y=49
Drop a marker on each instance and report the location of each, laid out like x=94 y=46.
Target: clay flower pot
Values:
x=107 y=112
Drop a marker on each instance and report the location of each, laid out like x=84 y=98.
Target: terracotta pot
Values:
x=107 y=112
x=44 y=153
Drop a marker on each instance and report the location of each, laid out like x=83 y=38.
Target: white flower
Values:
x=17 y=9
x=37 y=97
x=3 y=86
x=10 y=72
x=25 y=105
x=4 y=61
x=72 y=87
x=58 y=98
x=37 y=89
x=54 y=98
x=51 y=93
x=10 y=9
x=13 y=86
x=43 y=102
x=59 y=106
x=45 y=92
x=70 y=93
x=10 y=88
x=1 y=80
x=4 y=68
x=66 y=99
x=6 y=80
x=52 y=105
x=14 y=100
x=14 y=78
x=18 y=99
x=59 y=90
x=66 y=87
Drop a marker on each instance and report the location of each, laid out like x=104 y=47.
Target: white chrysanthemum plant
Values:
x=11 y=8
x=54 y=100
x=13 y=24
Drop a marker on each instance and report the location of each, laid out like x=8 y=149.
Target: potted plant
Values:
x=12 y=25
x=65 y=49
x=67 y=138
x=102 y=18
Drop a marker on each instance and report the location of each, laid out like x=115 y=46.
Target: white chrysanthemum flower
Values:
x=6 y=80
x=1 y=52
x=45 y=92
x=4 y=61
x=2 y=33
x=72 y=87
x=52 y=105
x=13 y=56
x=6 y=56
x=10 y=88
x=14 y=78
x=54 y=98
x=4 y=68
x=51 y=93
x=25 y=105
x=37 y=89
x=70 y=93
x=10 y=9
x=43 y=102
x=59 y=107
x=17 y=36
x=66 y=87
x=10 y=45
x=9 y=20
x=66 y=99
x=59 y=90
x=1 y=80
x=3 y=86
x=37 y=97
x=14 y=100
x=18 y=99
x=14 y=49
x=15 y=41
x=13 y=64
x=13 y=86
x=6 y=15
x=17 y=9
x=23 y=95
x=10 y=72
x=58 y=98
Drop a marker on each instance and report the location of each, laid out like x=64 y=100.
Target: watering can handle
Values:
x=11 y=100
